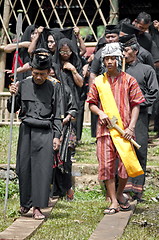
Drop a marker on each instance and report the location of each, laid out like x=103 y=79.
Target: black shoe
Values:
x=138 y=197
x=157 y=197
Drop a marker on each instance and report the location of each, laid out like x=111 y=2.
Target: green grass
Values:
x=12 y=212
x=86 y=150
x=73 y=220
x=78 y=219
x=144 y=224
x=4 y=144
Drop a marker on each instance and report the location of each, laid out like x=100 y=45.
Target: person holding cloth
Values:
x=38 y=100
x=115 y=93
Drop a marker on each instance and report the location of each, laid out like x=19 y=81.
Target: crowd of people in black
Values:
x=53 y=79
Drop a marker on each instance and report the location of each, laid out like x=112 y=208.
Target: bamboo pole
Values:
x=6 y=11
x=18 y=32
x=114 y=12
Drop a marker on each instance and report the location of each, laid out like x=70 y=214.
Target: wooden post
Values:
x=114 y=12
x=6 y=12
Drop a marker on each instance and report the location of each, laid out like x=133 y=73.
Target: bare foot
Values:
x=124 y=203
x=37 y=214
x=112 y=209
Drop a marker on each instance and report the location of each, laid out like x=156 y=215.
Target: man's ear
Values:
x=135 y=21
x=136 y=51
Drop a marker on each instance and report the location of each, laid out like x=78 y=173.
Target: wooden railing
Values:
x=5 y=115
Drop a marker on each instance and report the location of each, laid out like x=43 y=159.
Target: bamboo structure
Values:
x=114 y=12
x=54 y=13
x=3 y=41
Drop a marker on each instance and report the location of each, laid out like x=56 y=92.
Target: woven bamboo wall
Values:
x=4 y=114
x=55 y=13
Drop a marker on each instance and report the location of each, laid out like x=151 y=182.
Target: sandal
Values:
x=124 y=206
x=70 y=197
x=37 y=214
x=23 y=210
x=110 y=211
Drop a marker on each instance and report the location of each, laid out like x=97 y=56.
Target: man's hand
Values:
x=104 y=119
x=128 y=134
x=9 y=72
x=14 y=88
x=76 y=31
x=66 y=119
x=56 y=144
x=40 y=29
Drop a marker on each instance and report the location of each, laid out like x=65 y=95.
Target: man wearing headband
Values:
x=111 y=35
x=143 y=55
x=118 y=94
x=147 y=80
x=38 y=101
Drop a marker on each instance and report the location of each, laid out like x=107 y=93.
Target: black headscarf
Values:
x=23 y=53
x=43 y=39
x=57 y=34
x=74 y=60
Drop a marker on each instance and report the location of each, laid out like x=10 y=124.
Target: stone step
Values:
x=79 y=169
x=111 y=227
x=25 y=226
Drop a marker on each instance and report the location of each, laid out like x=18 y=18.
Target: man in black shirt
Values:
x=146 y=78
x=38 y=100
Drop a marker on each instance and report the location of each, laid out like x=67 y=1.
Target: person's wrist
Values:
x=74 y=71
x=131 y=129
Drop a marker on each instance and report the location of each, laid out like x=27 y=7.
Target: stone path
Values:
x=25 y=226
x=112 y=227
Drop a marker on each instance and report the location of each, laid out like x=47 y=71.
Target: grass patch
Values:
x=78 y=219
x=144 y=223
x=86 y=150
x=74 y=220
x=4 y=142
x=12 y=212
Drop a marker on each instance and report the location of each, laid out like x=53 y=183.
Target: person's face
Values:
x=142 y=26
x=130 y=54
x=65 y=52
x=51 y=43
x=33 y=34
x=40 y=76
x=156 y=24
x=112 y=37
x=52 y=72
x=110 y=63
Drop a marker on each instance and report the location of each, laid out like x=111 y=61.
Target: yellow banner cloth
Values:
x=123 y=146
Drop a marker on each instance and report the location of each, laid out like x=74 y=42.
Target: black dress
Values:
x=40 y=115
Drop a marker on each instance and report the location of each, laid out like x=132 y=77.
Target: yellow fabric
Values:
x=123 y=146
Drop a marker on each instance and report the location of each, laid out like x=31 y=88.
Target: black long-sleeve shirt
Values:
x=39 y=102
x=146 y=78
